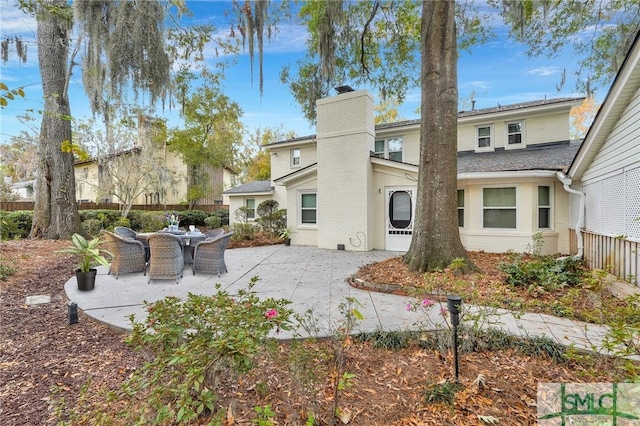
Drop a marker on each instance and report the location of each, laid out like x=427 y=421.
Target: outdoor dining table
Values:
x=189 y=240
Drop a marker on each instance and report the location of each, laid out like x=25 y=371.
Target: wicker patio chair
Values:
x=128 y=254
x=208 y=255
x=211 y=233
x=167 y=260
x=123 y=231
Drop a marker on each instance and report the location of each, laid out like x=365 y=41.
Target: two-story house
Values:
x=149 y=174
x=352 y=185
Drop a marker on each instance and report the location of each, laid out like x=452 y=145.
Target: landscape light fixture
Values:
x=454 y=304
x=344 y=89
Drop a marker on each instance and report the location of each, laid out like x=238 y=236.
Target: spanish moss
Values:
x=124 y=45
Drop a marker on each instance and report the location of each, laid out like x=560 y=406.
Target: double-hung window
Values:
x=499 y=208
x=295 y=157
x=250 y=206
x=544 y=207
x=515 y=132
x=390 y=148
x=308 y=208
x=461 y=208
x=484 y=137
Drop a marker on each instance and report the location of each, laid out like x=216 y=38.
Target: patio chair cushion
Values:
x=128 y=255
x=208 y=255
x=166 y=259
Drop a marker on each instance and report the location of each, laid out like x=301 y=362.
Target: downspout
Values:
x=566 y=181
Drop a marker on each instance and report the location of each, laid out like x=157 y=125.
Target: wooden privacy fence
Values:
x=28 y=205
x=617 y=255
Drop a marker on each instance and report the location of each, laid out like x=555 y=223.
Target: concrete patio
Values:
x=313 y=279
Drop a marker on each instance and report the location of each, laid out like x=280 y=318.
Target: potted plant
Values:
x=89 y=254
x=285 y=234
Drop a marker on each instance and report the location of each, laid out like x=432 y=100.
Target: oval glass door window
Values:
x=400 y=209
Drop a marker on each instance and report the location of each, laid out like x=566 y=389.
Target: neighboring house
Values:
x=606 y=170
x=353 y=185
x=170 y=188
x=24 y=189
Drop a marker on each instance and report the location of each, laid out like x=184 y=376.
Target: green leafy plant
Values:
x=443 y=391
x=88 y=253
x=265 y=416
x=198 y=347
x=6 y=270
x=285 y=233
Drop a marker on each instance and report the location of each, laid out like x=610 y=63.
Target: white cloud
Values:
x=544 y=71
x=14 y=21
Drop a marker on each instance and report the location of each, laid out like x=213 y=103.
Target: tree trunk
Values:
x=436 y=238
x=55 y=213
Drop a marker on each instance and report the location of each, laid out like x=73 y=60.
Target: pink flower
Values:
x=409 y=307
x=271 y=313
x=428 y=302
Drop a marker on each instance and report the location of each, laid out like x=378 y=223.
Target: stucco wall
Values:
x=538 y=129
x=281 y=158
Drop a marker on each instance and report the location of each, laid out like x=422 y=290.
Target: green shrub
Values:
x=198 y=348
x=152 y=221
x=6 y=270
x=192 y=217
x=244 y=231
x=122 y=221
x=213 y=222
x=223 y=214
x=92 y=227
x=16 y=224
x=543 y=272
x=270 y=217
x=134 y=219
x=106 y=217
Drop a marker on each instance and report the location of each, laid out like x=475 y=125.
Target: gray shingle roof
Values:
x=556 y=156
x=251 y=187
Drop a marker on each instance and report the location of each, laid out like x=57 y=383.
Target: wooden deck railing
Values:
x=617 y=255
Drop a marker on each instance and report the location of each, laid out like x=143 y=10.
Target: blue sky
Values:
x=498 y=73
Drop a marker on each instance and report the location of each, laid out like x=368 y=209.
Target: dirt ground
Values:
x=45 y=363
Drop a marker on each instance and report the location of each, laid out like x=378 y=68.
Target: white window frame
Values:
x=245 y=204
x=522 y=143
x=300 y=208
x=515 y=207
x=295 y=157
x=478 y=137
x=386 y=153
x=549 y=207
x=461 y=208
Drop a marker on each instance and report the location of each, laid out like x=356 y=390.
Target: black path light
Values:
x=454 y=304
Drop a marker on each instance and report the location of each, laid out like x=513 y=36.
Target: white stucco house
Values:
x=352 y=186
x=606 y=173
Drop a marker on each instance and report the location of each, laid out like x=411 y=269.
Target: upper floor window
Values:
x=389 y=148
x=514 y=133
x=544 y=207
x=295 y=157
x=308 y=208
x=499 y=207
x=250 y=205
x=484 y=136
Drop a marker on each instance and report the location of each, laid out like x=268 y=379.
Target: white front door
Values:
x=399 y=217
